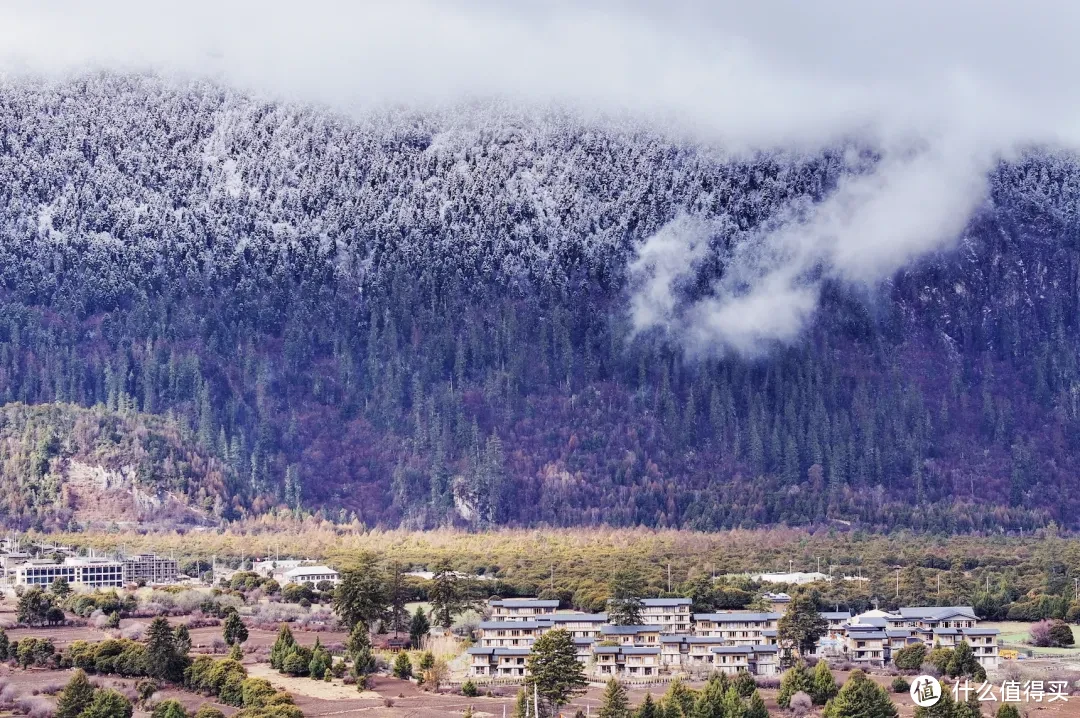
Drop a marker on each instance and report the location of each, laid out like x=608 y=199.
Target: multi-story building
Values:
x=150 y=568
x=671 y=614
x=983 y=642
x=688 y=652
x=867 y=642
x=578 y=625
x=510 y=634
x=77 y=571
x=941 y=625
x=498 y=662
x=758 y=660
x=520 y=609
x=740 y=628
x=631 y=635
x=625 y=661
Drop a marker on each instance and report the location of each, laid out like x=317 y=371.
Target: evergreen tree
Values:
x=360 y=596
x=402 y=665
x=182 y=640
x=801 y=626
x=108 y=703
x=521 y=705
x=234 y=631
x=397 y=597
x=824 y=686
x=860 y=697
x=678 y=700
x=732 y=704
x=710 y=699
x=162 y=660
x=755 y=707
x=744 y=683
x=614 y=703
x=648 y=708
x=449 y=594
x=554 y=671
x=76 y=696
x=359 y=648
x=1007 y=710
x=418 y=627
x=625 y=606
x=282 y=647
x=795 y=679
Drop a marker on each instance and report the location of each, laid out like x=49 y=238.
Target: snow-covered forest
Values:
x=422 y=318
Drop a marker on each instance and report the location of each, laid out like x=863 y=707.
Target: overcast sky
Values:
x=763 y=72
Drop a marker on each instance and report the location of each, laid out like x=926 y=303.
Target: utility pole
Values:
x=898 y=582
x=669 y=576
x=1076 y=589
x=553 y=578
x=789 y=563
x=939 y=584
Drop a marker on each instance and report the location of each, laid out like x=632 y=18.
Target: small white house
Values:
x=311 y=574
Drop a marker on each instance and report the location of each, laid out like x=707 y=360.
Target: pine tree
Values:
x=755 y=707
x=625 y=606
x=824 y=686
x=161 y=657
x=554 y=671
x=359 y=648
x=402 y=666
x=861 y=698
x=418 y=627
x=234 y=631
x=744 y=683
x=794 y=680
x=282 y=647
x=648 y=708
x=108 y=703
x=615 y=703
x=710 y=699
x=678 y=700
x=801 y=626
x=76 y=696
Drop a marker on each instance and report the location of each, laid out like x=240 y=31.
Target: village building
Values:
x=510 y=634
x=671 y=614
x=740 y=628
x=759 y=660
x=311 y=574
x=578 y=625
x=150 y=568
x=77 y=571
x=520 y=609
x=631 y=635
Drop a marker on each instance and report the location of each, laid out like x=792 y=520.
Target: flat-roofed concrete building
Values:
x=77 y=571
x=150 y=568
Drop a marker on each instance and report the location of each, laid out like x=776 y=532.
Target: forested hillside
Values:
x=421 y=320
x=62 y=466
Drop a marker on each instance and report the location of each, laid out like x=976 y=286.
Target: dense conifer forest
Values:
x=421 y=320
